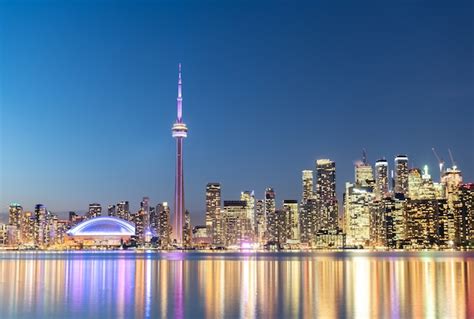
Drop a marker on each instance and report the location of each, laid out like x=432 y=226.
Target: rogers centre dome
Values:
x=103 y=226
x=100 y=231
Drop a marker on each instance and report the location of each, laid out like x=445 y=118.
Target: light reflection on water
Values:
x=233 y=285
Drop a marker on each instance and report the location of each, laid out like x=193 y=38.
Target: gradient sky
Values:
x=88 y=94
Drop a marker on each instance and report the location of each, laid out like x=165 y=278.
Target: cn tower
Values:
x=179 y=131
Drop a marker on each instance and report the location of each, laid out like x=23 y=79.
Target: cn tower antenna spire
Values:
x=179 y=100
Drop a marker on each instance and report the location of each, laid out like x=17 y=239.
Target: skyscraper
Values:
x=123 y=210
x=381 y=178
x=401 y=174
x=163 y=226
x=235 y=223
x=249 y=198
x=292 y=223
x=326 y=194
x=269 y=210
x=260 y=221
x=179 y=131
x=95 y=210
x=213 y=212
x=111 y=210
x=308 y=191
x=14 y=215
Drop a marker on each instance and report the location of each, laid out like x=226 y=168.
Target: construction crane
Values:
x=440 y=163
x=452 y=159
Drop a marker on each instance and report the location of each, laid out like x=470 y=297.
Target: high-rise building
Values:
x=236 y=226
x=187 y=230
x=381 y=178
x=249 y=198
x=357 y=210
x=290 y=208
x=112 y=210
x=180 y=132
x=15 y=212
x=327 y=214
x=452 y=180
x=269 y=210
x=163 y=225
x=123 y=210
x=308 y=221
x=308 y=191
x=213 y=212
x=95 y=210
x=364 y=175
x=401 y=174
x=260 y=221
x=27 y=229
x=464 y=205
x=40 y=226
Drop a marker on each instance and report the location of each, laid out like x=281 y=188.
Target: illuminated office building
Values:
x=401 y=174
x=464 y=205
x=236 y=226
x=27 y=227
x=381 y=178
x=308 y=191
x=308 y=220
x=213 y=213
x=40 y=226
x=357 y=210
x=187 y=230
x=261 y=224
x=163 y=225
x=290 y=208
x=112 y=210
x=123 y=210
x=95 y=210
x=15 y=212
x=249 y=198
x=327 y=214
x=269 y=207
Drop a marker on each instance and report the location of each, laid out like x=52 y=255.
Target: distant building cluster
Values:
x=383 y=208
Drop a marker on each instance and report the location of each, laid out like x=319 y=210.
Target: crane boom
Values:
x=452 y=159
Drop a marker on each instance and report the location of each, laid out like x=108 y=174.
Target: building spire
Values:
x=180 y=96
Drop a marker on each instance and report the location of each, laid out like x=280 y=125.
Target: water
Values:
x=236 y=285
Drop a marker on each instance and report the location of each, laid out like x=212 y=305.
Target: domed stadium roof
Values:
x=103 y=226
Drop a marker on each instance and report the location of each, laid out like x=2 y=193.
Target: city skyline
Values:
x=87 y=143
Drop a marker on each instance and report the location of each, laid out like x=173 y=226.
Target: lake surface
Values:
x=354 y=284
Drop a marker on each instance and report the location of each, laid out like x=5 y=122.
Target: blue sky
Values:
x=88 y=94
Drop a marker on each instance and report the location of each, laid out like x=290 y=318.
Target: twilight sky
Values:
x=88 y=94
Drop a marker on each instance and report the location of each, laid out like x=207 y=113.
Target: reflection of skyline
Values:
x=244 y=286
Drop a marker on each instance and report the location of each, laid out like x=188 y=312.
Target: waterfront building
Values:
x=308 y=221
x=308 y=191
x=327 y=211
x=163 y=225
x=401 y=174
x=290 y=208
x=213 y=213
x=40 y=225
x=27 y=226
x=388 y=222
x=123 y=210
x=112 y=210
x=452 y=180
x=330 y=239
x=381 y=178
x=261 y=224
x=15 y=212
x=95 y=210
x=428 y=223
x=187 y=230
x=249 y=198
x=364 y=175
x=269 y=211
x=464 y=206
x=357 y=210
x=236 y=225
x=179 y=132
